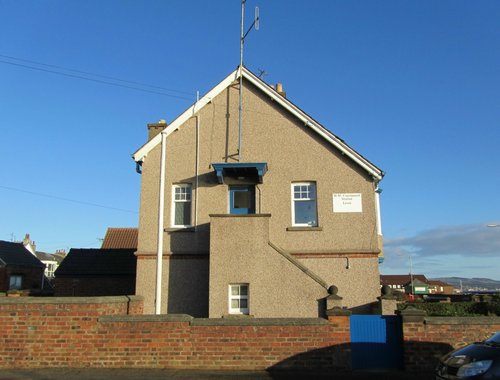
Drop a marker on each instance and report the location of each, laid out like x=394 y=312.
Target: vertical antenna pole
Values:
x=240 y=108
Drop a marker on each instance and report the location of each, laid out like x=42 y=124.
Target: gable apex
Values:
x=279 y=99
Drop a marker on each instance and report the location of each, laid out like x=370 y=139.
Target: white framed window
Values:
x=181 y=205
x=238 y=299
x=304 y=210
x=15 y=282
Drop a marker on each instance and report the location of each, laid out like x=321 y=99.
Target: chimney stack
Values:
x=155 y=128
x=279 y=90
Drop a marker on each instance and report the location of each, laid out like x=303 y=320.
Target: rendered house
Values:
x=260 y=219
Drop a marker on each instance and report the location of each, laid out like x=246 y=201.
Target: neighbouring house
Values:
x=120 y=238
x=19 y=269
x=422 y=285
x=416 y=287
x=399 y=281
x=51 y=261
x=440 y=287
x=257 y=218
x=96 y=272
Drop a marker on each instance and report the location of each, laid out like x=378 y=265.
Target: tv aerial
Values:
x=243 y=35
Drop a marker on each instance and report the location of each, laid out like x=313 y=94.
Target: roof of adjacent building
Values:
x=87 y=262
x=438 y=283
x=401 y=279
x=44 y=256
x=278 y=99
x=120 y=238
x=16 y=254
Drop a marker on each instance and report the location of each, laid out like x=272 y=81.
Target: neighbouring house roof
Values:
x=16 y=254
x=438 y=283
x=120 y=238
x=416 y=282
x=87 y=262
x=44 y=256
x=401 y=279
x=308 y=121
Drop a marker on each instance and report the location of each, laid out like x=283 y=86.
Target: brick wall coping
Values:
x=462 y=320
x=68 y=300
x=213 y=321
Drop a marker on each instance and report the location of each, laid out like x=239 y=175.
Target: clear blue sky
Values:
x=412 y=85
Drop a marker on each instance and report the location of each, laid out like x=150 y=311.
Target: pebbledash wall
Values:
x=113 y=332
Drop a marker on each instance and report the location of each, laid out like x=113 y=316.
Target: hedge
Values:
x=455 y=309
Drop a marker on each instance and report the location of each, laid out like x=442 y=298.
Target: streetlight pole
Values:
x=411 y=276
x=411 y=271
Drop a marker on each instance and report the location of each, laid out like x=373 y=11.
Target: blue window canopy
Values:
x=249 y=171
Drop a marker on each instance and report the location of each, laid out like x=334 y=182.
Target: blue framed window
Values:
x=242 y=200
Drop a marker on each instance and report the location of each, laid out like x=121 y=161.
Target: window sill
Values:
x=317 y=228
x=179 y=229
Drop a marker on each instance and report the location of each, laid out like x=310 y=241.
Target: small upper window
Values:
x=181 y=205
x=304 y=210
x=238 y=299
x=15 y=282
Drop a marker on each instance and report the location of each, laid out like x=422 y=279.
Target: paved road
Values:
x=169 y=374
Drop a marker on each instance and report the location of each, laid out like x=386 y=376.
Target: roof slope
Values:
x=88 y=262
x=121 y=238
x=308 y=121
x=16 y=254
x=401 y=279
x=48 y=256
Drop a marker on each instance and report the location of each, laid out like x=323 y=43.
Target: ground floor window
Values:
x=15 y=282
x=238 y=299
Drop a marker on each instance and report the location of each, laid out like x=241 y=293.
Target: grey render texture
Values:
x=287 y=268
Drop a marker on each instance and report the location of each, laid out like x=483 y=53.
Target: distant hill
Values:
x=471 y=283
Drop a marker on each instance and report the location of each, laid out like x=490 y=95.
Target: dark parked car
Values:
x=479 y=360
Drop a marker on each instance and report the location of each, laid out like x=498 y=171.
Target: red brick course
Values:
x=112 y=332
x=426 y=341
x=36 y=335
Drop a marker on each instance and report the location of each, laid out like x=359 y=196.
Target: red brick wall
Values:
x=425 y=342
x=60 y=332
x=113 y=332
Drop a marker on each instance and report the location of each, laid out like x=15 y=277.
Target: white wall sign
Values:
x=347 y=202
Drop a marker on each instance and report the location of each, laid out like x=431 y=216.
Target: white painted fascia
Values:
x=311 y=123
x=375 y=172
x=146 y=148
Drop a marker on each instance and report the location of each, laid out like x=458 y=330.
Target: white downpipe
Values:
x=161 y=203
x=377 y=206
x=197 y=171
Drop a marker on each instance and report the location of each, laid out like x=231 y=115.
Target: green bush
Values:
x=455 y=309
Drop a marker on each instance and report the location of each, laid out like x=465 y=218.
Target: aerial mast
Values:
x=242 y=42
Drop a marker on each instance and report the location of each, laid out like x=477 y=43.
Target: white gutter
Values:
x=161 y=202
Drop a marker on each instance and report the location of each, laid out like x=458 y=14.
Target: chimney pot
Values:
x=279 y=90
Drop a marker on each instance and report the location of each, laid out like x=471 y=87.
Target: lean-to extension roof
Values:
x=308 y=121
x=91 y=262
